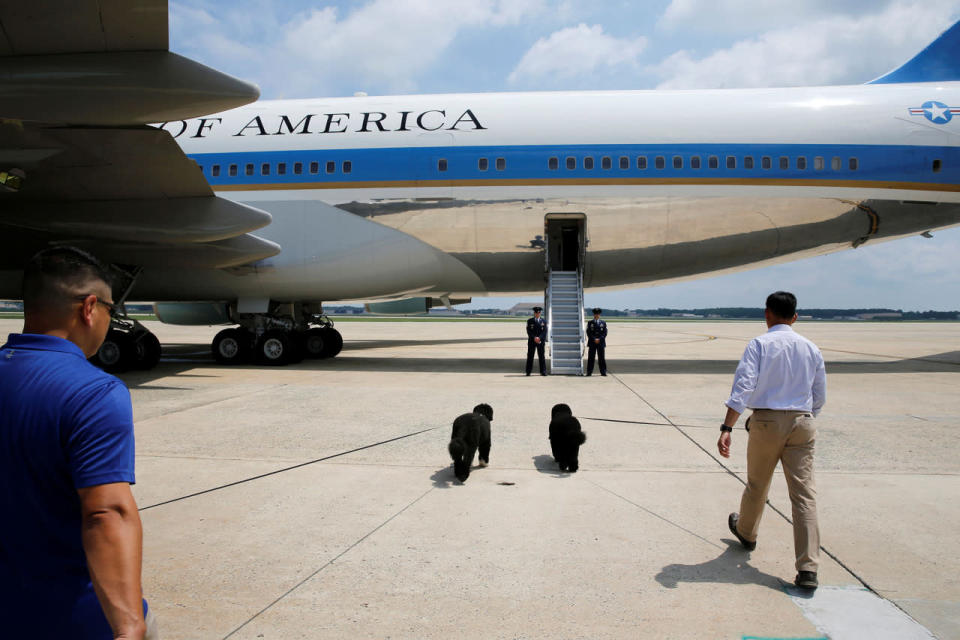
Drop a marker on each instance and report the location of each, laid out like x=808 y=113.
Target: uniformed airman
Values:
x=536 y=339
x=596 y=342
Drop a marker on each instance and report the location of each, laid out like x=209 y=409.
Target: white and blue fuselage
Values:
x=447 y=195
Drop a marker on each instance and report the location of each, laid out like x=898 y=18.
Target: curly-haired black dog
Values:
x=471 y=431
x=566 y=436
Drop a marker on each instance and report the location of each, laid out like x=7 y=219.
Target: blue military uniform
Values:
x=536 y=328
x=596 y=330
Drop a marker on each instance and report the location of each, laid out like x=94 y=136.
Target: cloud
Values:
x=832 y=50
x=379 y=45
x=750 y=16
x=576 y=52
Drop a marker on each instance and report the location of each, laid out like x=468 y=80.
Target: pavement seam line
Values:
x=330 y=562
x=296 y=466
x=653 y=513
x=783 y=515
x=212 y=402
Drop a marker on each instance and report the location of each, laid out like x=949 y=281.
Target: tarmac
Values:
x=318 y=500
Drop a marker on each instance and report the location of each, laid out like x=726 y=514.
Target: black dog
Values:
x=565 y=437
x=471 y=431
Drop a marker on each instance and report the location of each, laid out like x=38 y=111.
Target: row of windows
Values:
x=266 y=168
x=713 y=162
x=800 y=163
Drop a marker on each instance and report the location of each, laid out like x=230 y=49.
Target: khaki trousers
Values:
x=787 y=437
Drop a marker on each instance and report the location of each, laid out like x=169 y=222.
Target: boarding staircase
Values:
x=565 y=332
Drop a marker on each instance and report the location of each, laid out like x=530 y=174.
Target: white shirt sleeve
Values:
x=745 y=378
x=819 y=385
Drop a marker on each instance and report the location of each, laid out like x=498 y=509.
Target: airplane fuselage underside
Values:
x=471 y=246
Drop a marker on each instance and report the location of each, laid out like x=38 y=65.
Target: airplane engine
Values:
x=192 y=313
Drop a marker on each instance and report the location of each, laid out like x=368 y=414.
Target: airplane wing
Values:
x=79 y=82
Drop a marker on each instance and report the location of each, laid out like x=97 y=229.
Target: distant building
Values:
x=523 y=308
x=685 y=315
x=880 y=316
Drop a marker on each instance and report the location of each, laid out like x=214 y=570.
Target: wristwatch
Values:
x=724 y=427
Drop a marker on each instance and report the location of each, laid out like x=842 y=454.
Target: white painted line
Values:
x=853 y=613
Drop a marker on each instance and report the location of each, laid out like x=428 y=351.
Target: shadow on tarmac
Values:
x=444 y=479
x=730 y=567
x=546 y=464
x=178 y=358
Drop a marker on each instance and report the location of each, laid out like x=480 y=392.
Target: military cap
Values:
x=535 y=309
x=597 y=310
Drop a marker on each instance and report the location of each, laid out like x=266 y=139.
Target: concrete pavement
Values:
x=318 y=500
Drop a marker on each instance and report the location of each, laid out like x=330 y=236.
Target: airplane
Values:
x=165 y=169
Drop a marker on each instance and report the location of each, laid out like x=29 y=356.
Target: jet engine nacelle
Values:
x=193 y=313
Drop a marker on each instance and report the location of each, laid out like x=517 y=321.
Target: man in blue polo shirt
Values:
x=71 y=539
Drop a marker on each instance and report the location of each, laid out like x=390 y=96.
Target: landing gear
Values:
x=275 y=347
x=232 y=346
x=322 y=342
x=275 y=339
x=128 y=345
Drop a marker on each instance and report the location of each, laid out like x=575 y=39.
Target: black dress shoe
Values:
x=732 y=520
x=806 y=580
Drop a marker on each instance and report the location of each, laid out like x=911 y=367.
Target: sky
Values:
x=302 y=49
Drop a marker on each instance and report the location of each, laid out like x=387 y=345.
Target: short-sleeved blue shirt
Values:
x=64 y=425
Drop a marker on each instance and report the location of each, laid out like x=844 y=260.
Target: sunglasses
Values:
x=112 y=309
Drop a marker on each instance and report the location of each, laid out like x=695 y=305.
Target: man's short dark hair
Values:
x=782 y=304
x=53 y=276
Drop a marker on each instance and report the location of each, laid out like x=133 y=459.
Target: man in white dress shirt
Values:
x=780 y=377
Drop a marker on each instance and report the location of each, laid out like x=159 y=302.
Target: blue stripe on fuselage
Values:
x=895 y=163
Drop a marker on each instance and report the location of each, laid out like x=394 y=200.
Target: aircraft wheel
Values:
x=274 y=348
x=332 y=342
x=146 y=351
x=314 y=341
x=116 y=354
x=231 y=346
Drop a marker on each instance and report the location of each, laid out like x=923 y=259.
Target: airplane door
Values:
x=566 y=241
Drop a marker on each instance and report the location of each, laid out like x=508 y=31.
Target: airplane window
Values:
x=659 y=162
x=695 y=162
x=248 y=169
x=441 y=165
x=215 y=170
x=298 y=168
x=571 y=162
x=641 y=162
x=766 y=162
x=713 y=162
x=331 y=166
x=801 y=162
x=501 y=164
x=836 y=163
x=588 y=163
x=731 y=162
x=314 y=167
x=818 y=163
x=936 y=166
x=281 y=168
x=854 y=164
x=553 y=164
x=748 y=162
x=265 y=169
x=347 y=166
x=784 y=162
x=483 y=164
x=199 y=166
x=233 y=170
x=606 y=162
x=677 y=162
x=624 y=162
